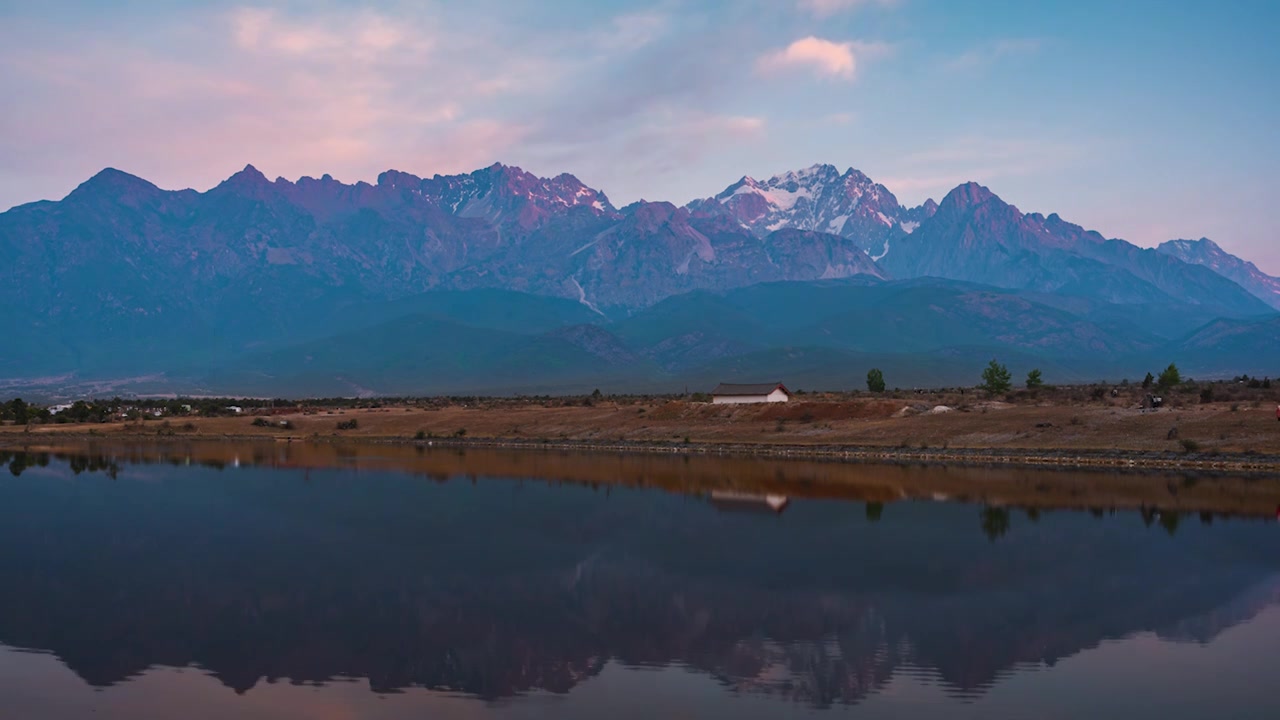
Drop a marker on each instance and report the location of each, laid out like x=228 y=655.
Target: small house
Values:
x=737 y=394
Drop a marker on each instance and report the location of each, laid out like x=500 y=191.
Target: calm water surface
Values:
x=155 y=591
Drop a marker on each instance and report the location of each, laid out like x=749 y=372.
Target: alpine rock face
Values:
x=122 y=276
x=252 y=259
x=1247 y=275
x=504 y=196
x=975 y=236
x=819 y=199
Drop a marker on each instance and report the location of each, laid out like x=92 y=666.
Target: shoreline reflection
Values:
x=503 y=589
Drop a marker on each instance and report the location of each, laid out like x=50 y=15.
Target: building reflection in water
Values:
x=499 y=588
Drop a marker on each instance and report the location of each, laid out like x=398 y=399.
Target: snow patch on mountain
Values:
x=582 y=296
x=818 y=198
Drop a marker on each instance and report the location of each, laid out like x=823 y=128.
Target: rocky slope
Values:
x=122 y=277
x=819 y=199
x=1244 y=273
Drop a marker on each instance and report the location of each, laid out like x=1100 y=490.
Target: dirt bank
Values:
x=1205 y=436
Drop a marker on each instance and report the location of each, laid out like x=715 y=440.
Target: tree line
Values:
x=996 y=379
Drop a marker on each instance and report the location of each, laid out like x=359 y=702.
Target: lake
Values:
x=215 y=580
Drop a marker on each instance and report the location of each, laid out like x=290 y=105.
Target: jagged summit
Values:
x=248 y=181
x=968 y=195
x=818 y=198
x=249 y=262
x=817 y=213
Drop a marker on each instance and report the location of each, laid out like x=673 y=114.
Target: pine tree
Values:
x=996 y=378
x=875 y=380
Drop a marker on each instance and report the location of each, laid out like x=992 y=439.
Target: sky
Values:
x=1144 y=119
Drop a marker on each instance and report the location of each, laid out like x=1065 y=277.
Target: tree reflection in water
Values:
x=496 y=588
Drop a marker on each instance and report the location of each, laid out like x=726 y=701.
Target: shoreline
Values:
x=1109 y=434
x=1257 y=465
x=876 y=478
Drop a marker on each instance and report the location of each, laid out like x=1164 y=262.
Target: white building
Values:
x=730 y=394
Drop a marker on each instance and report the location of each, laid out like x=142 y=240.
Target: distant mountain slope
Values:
x=244 y=261
x=422 y=355
x=1245 y=274
x=322 y=281
x=1253 y=347
x=870 y=317
x=975 y=236
x=825 y=334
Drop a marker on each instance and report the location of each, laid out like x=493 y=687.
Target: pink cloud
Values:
x=823 y=57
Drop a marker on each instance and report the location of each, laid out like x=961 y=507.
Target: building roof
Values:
x=734 y=389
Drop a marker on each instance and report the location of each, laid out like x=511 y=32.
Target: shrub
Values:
x=351 y=424
x=421 y=435
x=1189 y=445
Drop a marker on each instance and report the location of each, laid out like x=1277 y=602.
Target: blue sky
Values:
x=1144 y=120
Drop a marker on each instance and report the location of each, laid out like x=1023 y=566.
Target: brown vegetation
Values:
x=1229 y=421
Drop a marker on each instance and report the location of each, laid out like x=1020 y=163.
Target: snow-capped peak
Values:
x=817 y=198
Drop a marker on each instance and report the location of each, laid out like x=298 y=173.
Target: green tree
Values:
x=996 y=378
x=1169 y=378
x=875 y=380
x=1034 y=379
x=19 y=411
x=1146 y=382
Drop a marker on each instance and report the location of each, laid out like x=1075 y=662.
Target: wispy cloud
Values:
x=633 y=31
x=827 y=8
x=991 y=53
x=823 y=57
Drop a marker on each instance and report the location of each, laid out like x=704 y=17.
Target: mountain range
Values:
x=501 y=281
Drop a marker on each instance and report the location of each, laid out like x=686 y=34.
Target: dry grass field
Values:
x=933 y=421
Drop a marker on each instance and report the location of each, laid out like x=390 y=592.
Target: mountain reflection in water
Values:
x=501 y=588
